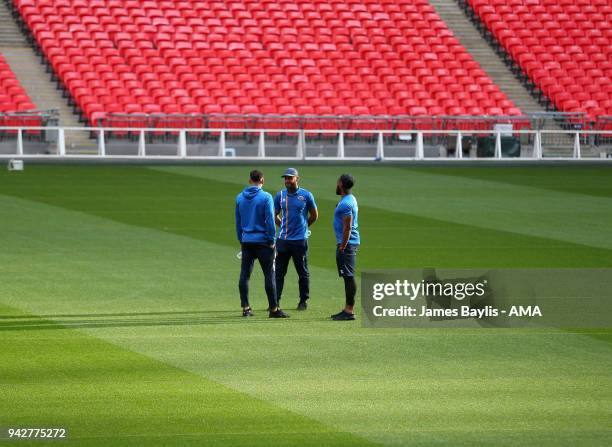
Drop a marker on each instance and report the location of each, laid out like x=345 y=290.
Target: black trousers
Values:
x=265 y=255
x=298 y=251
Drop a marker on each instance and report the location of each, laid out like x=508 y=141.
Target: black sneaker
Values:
x=278 y=313
x=343 y=316
x=247 y=312
x=338 y=314
x=302 y=305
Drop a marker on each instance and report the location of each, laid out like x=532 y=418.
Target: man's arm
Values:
x=347 y=223
x=277 y=209
x=313 y=215
x=238 y=224
x=270 y=220
x=277 y=219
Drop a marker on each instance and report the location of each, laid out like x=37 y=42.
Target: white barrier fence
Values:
x=292 y=144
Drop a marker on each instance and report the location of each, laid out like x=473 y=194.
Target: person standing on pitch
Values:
x=347 y=239
x=256 y=231
x=295 y=210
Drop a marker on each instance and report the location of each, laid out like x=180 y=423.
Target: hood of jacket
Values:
x=250 y=191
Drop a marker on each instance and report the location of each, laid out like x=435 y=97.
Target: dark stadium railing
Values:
x=306 y=122
x=27 y=119
x=472 y=124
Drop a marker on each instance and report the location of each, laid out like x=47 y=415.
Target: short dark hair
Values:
x=347 y=181
x=256 y=175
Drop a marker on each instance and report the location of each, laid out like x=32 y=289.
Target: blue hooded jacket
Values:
x=255 y=216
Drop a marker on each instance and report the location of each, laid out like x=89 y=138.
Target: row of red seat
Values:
x=13 y=97
x=306 y=122
x=289 y=57
x=196 y=8
x=564 y=47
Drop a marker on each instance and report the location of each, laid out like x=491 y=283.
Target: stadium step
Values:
x=482 y=52
x=34 y=78
x=9 y=33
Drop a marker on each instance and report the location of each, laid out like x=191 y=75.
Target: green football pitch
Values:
x=120 y=316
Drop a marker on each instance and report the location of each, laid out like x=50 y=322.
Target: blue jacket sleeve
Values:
x=269 y=219
x=238 y=224
x=277 y=201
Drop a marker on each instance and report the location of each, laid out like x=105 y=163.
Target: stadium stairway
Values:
x=451 y=12
x=482 y=52
x=36 y=81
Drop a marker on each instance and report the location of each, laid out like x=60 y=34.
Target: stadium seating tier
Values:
x=564 y=46
x=303 y=57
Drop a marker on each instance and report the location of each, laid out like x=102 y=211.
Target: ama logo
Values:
x=525 y=311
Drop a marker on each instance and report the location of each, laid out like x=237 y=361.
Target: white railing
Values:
x=293 y=144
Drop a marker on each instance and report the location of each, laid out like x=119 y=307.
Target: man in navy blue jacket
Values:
x=256 y=231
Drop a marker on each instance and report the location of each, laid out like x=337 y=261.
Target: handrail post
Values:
x=300 y=152
x=222 y=144
x=101 y=143
x=577 y=153
x=420 y=151
x=537 y=145
x=182 y=144
x=19 y=141
x=261 y=147
x=141 y=144
x=61 y=142
x=380 y=147
x=459 y=146
x=498 y=149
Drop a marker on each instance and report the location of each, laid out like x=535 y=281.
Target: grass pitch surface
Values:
x=119 y=312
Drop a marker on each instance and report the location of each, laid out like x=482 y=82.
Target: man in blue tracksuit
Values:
x=256 y=231
x=295 y=210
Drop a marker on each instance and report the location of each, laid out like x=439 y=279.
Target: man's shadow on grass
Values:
x=137 y=319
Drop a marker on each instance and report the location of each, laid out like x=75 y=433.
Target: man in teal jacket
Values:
x=256 y=231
